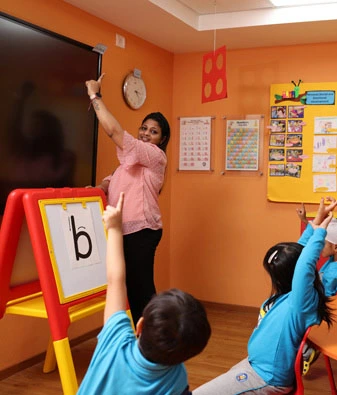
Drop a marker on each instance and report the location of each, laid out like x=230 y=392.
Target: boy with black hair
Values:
x=174 y=328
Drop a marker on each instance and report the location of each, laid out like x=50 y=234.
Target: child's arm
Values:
x=324 y=210
x=324 y=224
x=303 y=293
x=116 y=296
x=308 y=231
x=104 y=185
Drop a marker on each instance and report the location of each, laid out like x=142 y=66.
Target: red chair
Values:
x=324 y=339
x=299 y=390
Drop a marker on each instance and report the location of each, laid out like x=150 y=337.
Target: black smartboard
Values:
x=48 y=137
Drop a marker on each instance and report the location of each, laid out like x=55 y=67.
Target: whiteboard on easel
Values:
x=76 y=241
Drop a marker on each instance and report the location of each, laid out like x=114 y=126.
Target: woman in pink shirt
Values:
x=140 y=176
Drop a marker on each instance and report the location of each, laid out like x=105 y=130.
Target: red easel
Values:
x=40 y=297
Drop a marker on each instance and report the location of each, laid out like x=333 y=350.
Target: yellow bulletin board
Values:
x=302 y=139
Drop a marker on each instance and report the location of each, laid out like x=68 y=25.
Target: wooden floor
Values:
x=231 y=328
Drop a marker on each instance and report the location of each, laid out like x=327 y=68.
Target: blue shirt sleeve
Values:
x=304 y=295
x=305 y=236
x=329 y=277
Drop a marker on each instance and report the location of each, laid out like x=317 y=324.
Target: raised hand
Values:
x=324 y=209
x=302 y=214
x=94 y=86
x=324 y=224
x=112 y=216
x=99 y=81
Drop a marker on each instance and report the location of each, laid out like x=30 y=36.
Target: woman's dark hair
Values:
x=175 y=328
x=164 y=126
x=280 y=262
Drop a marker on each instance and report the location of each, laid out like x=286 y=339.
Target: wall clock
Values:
x=134 y=90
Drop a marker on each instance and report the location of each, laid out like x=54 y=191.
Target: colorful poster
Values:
x=302 y=161
x=325 y=125
x=195 y=143
x=242 y=145
x=324 y=182
x=324 y=163
x=325 y=143
x=276 y=140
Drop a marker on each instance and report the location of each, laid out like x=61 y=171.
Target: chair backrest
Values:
x=299 y=390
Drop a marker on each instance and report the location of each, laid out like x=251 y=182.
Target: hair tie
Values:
x=272 y=256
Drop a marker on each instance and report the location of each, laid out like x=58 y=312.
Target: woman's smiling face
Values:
x=150 y=132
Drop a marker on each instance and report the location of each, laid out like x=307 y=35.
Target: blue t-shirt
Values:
x=118 y=367
x=273 y=345
x=329 y=277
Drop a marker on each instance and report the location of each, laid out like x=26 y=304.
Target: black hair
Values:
x=164 y=126
x=175 y=328
x=280 y=262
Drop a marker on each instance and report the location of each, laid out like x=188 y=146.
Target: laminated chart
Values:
x=195 y=143
x=242 y=145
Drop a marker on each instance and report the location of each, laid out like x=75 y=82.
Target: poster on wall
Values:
x=195 y=143
x=242 y=145
x=302 y=155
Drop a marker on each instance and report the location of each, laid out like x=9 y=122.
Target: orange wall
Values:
x=217 y=227
x=157 y=70
x=222 y=225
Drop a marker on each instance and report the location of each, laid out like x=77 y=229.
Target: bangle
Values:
x=94 y=97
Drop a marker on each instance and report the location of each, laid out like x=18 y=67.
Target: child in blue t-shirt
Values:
x=328 y=272
x=297 y=301
x=174 y=328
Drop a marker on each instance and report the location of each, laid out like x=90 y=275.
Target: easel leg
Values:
x=50 y=360
x=66 y=366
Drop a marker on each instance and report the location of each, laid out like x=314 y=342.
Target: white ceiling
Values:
x=181 y=26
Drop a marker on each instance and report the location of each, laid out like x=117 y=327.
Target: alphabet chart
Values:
x=242 y=144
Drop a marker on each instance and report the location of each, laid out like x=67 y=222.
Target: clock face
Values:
x=134 y=91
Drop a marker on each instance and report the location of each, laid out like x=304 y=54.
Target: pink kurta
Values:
x=140 y=176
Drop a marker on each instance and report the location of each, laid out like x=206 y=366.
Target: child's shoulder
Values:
x=118 y=316
x=116 y=323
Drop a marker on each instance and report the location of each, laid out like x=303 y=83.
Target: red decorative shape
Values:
x=214 y=78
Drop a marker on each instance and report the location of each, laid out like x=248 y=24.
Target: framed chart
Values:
x=243 y=145
x=195 y=143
